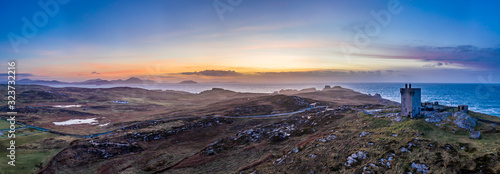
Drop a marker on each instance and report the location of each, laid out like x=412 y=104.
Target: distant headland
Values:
x=188 y=82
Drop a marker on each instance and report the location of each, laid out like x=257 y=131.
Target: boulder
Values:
x=435 y=117
x=420 y=167
x=364 y=133
x=475 y=135
x=465 y=121
x=355 y=157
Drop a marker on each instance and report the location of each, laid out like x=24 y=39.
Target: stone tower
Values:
x=410 y=101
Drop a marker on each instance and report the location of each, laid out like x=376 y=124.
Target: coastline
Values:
x=345 y=120
x=365 y=88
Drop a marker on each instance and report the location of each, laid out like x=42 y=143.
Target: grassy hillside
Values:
x=352 y=133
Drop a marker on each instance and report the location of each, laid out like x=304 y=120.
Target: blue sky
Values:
x=260 y=40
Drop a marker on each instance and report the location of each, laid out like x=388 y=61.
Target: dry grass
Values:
x=256 y=163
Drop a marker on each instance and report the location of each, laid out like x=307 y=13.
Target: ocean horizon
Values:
x=483 y=98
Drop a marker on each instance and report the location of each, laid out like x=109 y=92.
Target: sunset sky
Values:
x=253 y=40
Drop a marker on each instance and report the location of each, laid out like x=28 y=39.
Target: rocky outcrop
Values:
x=308 y=90
x=465 y=121
x=434 y=107
x=327 y=87
x=436 y=117
x=420 y=167
x=364 y=134
x=354 y=158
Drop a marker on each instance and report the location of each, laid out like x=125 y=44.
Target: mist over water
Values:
x=484 y=98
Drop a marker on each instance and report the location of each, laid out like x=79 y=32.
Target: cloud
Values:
x=459 y=48
x=468 y=56
x=434 y=65
x=18 y=76
x=93 y=72
x=328 y=74
x=218 y=73
x=286 y=76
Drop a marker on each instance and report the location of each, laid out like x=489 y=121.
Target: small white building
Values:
x=411 y=103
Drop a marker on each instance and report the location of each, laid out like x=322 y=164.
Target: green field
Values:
x=31 y=152
x=4 y=124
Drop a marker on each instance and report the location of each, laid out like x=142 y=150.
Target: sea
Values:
x=483 y=98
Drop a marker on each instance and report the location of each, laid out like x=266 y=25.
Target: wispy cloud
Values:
x=466 y=56
x=219 y=73
x=18 y=76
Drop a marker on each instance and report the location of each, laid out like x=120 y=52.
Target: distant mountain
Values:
x=133 y=80
x=119 y=81
x=130 y=81
x=94 y=82
x=188 y=82
x=40 y=82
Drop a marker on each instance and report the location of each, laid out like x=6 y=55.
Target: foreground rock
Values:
x=465 y=121
x=436 y=117
x=355 y=157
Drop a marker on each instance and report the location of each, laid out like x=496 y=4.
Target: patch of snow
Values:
x=67 y=106
x=105 y=124
x=92 y=121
